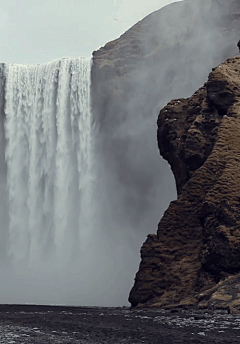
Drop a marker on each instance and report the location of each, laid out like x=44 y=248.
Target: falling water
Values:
x=46 y=128
x=60 y=240
x=48 y=156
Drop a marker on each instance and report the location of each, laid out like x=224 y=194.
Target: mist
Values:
x=167 y=55
x=171 y=56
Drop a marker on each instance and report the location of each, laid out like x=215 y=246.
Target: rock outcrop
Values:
x=194 y=259
x=166 y=55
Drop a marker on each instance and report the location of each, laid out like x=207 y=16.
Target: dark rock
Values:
x=168 y=53
x=196 y=255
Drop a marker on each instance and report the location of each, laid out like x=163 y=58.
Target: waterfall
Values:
x=61 y=241
x=46 y=171
x=48 y=156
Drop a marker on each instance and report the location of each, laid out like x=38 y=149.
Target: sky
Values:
x=42 y=31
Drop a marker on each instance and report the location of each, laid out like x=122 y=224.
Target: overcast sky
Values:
x=37 y=31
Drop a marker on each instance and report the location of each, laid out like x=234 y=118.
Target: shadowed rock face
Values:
x=195 y=256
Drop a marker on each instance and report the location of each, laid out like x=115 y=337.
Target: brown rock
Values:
x=197 y=246
x=166 y=53
x=203 y=305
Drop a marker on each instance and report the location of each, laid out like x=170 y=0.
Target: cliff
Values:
x=194 y=259
x=166 y=55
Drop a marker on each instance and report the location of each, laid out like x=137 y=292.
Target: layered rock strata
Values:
x=194 y=259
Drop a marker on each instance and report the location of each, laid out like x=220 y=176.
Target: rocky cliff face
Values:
x=166 y=55
x=195 y=256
